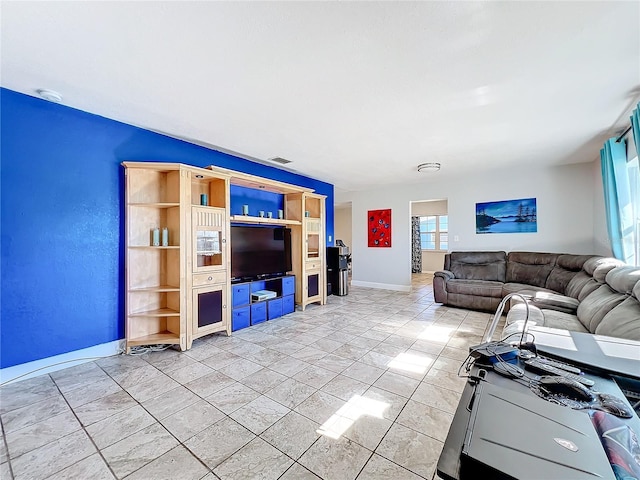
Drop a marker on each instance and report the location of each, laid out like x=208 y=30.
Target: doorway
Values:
x=432 y=234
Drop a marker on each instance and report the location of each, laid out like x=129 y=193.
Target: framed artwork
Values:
x=379 y=228
x=507 y=216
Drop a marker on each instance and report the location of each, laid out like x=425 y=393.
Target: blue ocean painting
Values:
x=507 y=216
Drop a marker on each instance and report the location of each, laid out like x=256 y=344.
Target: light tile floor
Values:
x=364 y=387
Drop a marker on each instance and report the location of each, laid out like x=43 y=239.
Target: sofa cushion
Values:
x=530 y=268
x=508 y=288
x=623 y=279
x=623 y=321
x=478 y=265
x=567 y=267
x=596 y=305
x=603 y=269
x=516 y=319
x=475 y=287
x=576 y=284
x=553 y=301
x=591 y=286
x=562 y=320
x=593 y=263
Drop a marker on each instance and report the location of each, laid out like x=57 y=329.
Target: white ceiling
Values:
x=354 y=93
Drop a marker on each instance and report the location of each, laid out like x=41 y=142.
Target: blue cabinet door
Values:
x=275 y=308
x=288 y=286
x=288 y=304
x=258 y=313
x=240 y=318
x=240 y=294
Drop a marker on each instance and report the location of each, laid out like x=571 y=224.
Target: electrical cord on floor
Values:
x=141 y=350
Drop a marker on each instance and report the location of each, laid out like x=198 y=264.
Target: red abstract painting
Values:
x=379 y=228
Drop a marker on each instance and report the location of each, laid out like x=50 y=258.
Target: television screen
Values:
x=259 y=251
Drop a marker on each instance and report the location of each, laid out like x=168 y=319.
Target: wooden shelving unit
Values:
x=209 y=267
x=155 y=302
x=181 y=290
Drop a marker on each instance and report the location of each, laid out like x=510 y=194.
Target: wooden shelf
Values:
x=157 y=288
x=155 y=205
x=161 y=312
x=263 y=220
x=155 y=338
x=153 y=247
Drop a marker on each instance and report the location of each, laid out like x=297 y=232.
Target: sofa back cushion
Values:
x=596 y=305
x=619 y=285
x=577 y=283
x=565 y=269
x=624 y=320
x=477 y=265
x=606 y=263
x=530 y=268
x=597 y=268
x=623 y=279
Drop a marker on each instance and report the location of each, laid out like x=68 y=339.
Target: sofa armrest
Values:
x=444 y=274
x=440 y=280
x=547 y=301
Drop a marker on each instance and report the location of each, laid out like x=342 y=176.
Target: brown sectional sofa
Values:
x=585 y=293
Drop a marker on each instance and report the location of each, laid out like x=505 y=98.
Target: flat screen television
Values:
x=259 y=251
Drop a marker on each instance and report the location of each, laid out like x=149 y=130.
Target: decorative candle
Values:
x=203 y=199
x=165 y=237
x=245 y=209
x=156 y=237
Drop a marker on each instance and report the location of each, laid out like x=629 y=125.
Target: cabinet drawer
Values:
x=288 y=305
x=275 y=308
x=240 y=294
x=258 y=313
x=288 y=286
x=240 y=318
x=312 y=265
x=200 y=279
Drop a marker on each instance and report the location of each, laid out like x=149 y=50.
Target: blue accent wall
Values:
x=62 y=218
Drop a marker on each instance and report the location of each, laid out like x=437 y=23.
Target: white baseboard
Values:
x=58 y=362
x=382 y=286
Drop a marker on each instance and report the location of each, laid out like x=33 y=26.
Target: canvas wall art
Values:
x=507 y=216
x=379 y=228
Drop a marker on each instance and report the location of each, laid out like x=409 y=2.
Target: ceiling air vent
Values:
x=280 y=160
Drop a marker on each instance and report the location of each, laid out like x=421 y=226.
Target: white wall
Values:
x=342 y=224
x=565 y=204
x=601 y=244
x=431 y=261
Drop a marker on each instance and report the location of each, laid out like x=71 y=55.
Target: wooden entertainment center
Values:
x=178 y=259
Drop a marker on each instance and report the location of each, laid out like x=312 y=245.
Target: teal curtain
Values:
x=635 y=127
x=617 y=199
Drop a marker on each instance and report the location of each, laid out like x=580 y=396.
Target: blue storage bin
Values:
x=258 y=313
x=288 y=286
x=288 y=304
x=240 y=318
x=240 y=294
x=275 y=308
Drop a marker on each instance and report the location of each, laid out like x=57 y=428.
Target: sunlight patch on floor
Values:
x=435 y=333
x=410 y=362
x=349 y=413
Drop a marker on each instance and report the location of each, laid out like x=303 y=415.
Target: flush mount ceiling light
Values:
x=429 y=167
x=49 y=95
